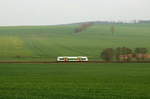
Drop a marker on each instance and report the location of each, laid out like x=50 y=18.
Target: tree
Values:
x=140 y=53
x=83 y=27
x=124 y=53
x=118 y=53
x=107 y=54
x=78 y=30
x=129 y=54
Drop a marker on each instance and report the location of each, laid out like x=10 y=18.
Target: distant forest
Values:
x=113 y=22
x=144 y=21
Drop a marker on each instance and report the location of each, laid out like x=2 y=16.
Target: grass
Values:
x=48 y=42
x=74 y=81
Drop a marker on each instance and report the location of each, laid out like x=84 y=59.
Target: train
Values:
x=72 y=59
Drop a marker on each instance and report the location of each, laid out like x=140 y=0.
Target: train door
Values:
x=65 y=59
x=79 y=59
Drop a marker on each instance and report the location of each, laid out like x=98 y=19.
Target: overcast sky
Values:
x=50 y=12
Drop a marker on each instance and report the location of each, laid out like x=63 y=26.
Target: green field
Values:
x=74 y=81
x=48 y=42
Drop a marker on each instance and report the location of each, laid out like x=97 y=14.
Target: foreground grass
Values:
x=74 y=81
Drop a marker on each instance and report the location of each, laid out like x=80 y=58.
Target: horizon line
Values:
x=109 y=21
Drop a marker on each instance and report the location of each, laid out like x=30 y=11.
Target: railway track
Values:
x=55 y=62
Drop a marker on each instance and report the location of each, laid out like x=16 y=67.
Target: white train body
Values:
x=72 y=59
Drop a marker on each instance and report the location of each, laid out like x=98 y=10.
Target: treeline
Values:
x=125 y=54
x=144 y=21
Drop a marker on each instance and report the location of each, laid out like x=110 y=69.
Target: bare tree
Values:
x=83 y=27
x=112 y=29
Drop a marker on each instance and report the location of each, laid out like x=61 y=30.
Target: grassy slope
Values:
x=48 y=42
x=74 y=81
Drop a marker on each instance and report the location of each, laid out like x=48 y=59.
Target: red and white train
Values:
x=72 y=59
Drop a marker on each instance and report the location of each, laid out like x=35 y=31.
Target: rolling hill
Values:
x=48 y=42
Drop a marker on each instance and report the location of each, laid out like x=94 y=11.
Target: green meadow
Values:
x=74 y=81
x=48 y=42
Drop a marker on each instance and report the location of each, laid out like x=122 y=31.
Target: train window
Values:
x=61 y=58
x=83 y=58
